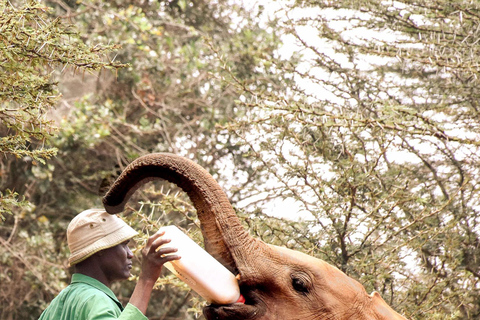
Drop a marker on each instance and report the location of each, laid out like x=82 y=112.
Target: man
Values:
x=98 y=244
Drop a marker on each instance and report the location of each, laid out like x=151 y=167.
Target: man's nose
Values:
x=129 y=253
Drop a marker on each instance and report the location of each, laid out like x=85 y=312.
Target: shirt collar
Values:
x=81 y=278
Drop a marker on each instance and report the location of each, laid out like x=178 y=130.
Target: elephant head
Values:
x=277 y=283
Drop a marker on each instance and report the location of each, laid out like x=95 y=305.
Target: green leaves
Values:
x=32 y=47
x=10 y=201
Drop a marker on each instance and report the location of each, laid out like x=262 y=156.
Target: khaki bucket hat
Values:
x=94 y=230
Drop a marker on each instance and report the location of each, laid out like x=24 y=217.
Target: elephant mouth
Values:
x=253 y=308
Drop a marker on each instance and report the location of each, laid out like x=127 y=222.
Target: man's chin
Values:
x=126 y=275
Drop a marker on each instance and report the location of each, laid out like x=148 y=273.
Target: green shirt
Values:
x=88 y=299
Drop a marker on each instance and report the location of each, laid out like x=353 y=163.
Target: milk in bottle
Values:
x=200 y=271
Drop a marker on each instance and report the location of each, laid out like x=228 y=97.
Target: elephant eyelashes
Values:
x=300 y=284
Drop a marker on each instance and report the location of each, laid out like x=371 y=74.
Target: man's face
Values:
x=116 y=262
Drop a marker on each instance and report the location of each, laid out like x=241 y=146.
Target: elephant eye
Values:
x=300 y=284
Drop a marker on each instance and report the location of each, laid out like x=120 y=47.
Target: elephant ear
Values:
x=220 y=226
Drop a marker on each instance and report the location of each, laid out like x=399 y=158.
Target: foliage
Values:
x=377 y=142
x=33 y=46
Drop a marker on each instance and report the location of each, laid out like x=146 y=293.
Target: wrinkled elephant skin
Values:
x=277 y=283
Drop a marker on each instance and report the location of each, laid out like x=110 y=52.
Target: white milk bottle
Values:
x=199 y=270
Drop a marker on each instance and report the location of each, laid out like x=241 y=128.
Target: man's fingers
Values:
x=154 y=246
x=171 y=257
x=155 y=236
x=166 y=250
x=155 y=241
x=159 y=242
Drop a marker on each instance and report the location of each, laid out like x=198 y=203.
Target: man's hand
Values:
x=154 y=256
x=153 y=259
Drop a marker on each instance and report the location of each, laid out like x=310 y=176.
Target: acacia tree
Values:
x=378 y=143
x=33 y=45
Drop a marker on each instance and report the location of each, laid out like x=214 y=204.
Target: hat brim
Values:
x=111 y=240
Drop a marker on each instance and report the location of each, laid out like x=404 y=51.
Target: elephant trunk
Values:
x=224 y=236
